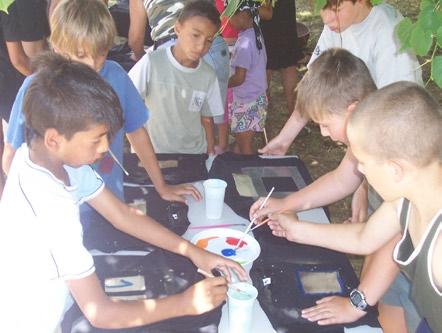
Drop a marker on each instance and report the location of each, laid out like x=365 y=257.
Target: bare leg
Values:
x=223 y=136
x=392 y=318
x=244 y=141
x=289 y=80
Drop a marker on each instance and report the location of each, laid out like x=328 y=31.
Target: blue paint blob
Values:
x=228 y=252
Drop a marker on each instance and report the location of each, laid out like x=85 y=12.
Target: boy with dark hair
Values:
x=71 y=115
x=401 y=159
x=179 y=88
x=84 y=30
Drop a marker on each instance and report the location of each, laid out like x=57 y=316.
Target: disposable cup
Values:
x=214 y=190
x=241 y=297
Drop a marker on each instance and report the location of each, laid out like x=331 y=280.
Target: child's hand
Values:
x=207 y=261
x=272 y=206
x=333 y=310
x=178 y=192
x=204 y=295
x=284 y=225
x=359 y=204
x=276 y=146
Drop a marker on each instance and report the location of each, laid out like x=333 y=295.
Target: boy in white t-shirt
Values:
x=71 y=114
x=369 y=33
x=179 y=88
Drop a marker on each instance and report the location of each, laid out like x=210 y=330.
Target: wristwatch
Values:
x=358 y=300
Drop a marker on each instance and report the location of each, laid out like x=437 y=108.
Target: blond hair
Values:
x=334 y=81
x=400 y=121
x=82 y=26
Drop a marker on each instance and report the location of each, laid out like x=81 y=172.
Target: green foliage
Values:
x=423 y=36
x=4 y=4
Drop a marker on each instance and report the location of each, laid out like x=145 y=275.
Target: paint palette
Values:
x=223 y=241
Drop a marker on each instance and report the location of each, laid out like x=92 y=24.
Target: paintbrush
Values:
x=216 y=226
x=208 y=275
x=253 y=220
x=118 y=162
x=260 y=224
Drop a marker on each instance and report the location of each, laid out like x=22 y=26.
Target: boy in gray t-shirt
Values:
x=180 y=90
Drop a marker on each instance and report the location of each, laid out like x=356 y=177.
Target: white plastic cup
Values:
x=214 y=190
x=241 y=297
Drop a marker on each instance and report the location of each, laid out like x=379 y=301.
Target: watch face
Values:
x=356 y=298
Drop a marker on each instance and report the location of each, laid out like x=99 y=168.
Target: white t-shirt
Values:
x=374 y=41
x=176 y=97
x=41 y=243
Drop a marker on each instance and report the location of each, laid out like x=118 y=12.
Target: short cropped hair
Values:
x=334 y=81
x=335 y=3
x=201 y=8
x=400 y=121
x=69 y=97
x=82 y=25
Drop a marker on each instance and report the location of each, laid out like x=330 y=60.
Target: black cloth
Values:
x=10 y=79
x=101 y=235
x=190 y=168
x=280 y=36
x=164 y=274
x=26 y=21
x=228 y=163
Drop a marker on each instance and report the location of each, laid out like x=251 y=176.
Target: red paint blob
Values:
x=233 y=241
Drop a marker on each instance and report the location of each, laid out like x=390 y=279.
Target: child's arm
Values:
x=329 y=188
x=355 y=238
x=140 y=141
x=359 y=204
x=8 y=156
x=378 y=273
x=208 y=125
x=281 y=143
x=104 y=312
x=238 y=78
x=266 y=11
x=130 y=221
x=137 y=27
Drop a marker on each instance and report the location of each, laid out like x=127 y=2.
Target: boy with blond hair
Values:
x=71 y=115
x=330 y=91
x=401 y=159
x=84 y=30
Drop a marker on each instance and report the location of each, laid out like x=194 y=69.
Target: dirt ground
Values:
x=321 y=154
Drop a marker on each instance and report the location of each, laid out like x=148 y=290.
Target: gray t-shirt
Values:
x=177 y=97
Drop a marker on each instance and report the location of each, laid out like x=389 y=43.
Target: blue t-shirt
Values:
x=135 y=114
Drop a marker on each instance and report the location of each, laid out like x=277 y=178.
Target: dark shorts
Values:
x=280 y=36
x=26 y=21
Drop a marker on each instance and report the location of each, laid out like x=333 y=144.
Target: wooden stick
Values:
x=265 y=136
